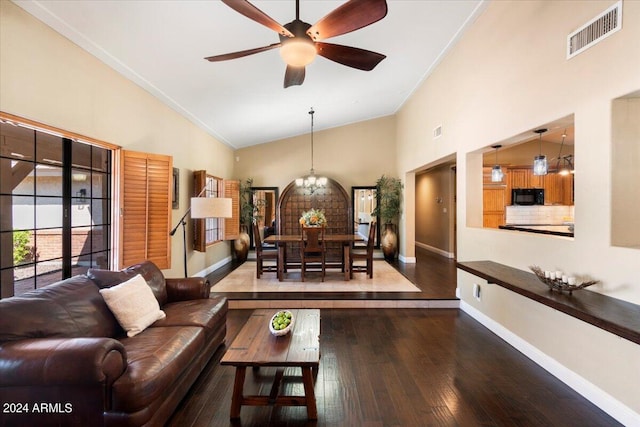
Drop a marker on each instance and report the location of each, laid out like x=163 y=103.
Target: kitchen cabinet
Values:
x=558 y=189
x=493 y=204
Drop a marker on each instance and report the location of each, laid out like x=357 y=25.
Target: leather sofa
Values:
x=65 y=359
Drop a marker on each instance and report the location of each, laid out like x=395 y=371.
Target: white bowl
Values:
x=280 y=332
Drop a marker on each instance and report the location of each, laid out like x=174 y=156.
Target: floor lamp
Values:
x=202 y=207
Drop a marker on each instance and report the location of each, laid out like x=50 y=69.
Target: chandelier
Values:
x=311 y=182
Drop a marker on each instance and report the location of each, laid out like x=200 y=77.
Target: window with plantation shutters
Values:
x=207 y=231
x=146 y=208
x=232 y=225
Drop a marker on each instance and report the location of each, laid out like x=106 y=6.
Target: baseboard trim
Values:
x=407 y=259
x=213 y=267
x=436 y=250
x=588 y=390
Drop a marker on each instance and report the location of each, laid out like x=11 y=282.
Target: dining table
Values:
x=281 y=240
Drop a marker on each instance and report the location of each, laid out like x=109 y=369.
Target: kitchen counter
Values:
x=553 y=229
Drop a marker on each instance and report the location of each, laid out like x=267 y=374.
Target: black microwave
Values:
x=527 y=196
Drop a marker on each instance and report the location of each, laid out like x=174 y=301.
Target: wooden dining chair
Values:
x=312 y=249
x=364 y=255
x=263 y=254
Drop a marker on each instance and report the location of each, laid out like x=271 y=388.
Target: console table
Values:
x=619 y=317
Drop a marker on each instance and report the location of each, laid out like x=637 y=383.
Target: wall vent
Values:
x=437 y=132
x=594 y=31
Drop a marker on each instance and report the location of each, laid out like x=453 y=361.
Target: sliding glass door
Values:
x=55 y=208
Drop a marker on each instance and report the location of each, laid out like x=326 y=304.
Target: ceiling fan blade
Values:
x=349 y=17
x=241 y=53
x=294 y=76
x=350 y=56
x=250 y=11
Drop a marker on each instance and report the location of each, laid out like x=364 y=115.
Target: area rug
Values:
x=385 y=279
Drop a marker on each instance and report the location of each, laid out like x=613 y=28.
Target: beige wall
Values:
x=509 y=75
x=357 y=154
x=485 y=94
x=46 y=78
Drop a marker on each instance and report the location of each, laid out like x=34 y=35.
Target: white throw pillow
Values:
x=133 y=304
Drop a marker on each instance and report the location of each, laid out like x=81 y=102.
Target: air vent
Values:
x=437 y=132
x=594 y=31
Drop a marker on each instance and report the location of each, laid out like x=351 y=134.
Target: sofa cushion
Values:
x=156 y=358
x=151 y=273
x=133 y=304
x=68 y=309
x=210 y=314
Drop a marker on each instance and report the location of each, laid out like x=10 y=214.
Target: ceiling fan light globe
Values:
x=298 y=52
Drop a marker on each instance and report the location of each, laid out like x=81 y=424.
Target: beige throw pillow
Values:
x=133 y=304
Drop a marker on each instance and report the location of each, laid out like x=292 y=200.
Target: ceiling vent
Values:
x=594 y=31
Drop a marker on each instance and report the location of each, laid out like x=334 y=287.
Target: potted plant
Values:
x=389 y=191
x=249 y=209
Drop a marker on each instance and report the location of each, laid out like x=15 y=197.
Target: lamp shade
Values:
x=211 y=207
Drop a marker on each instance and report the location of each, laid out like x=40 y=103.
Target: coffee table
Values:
x=256 y=347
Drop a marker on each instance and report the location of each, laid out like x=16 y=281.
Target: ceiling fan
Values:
x=299 y=41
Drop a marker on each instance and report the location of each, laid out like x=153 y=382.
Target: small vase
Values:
x=389 y=242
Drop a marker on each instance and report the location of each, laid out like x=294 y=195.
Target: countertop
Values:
x=554 y=229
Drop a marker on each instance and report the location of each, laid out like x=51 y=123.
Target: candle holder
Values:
x=557 y=284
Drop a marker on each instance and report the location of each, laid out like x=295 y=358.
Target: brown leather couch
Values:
x=65 y=360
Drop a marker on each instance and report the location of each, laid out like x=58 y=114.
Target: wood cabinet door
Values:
x=493 y=207
x=536 y=181
x=553 y=189
x=567 y=190
x=519 y=177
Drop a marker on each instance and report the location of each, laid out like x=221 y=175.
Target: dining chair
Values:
x=364 y=255
x=263 y=254
x=312 y=248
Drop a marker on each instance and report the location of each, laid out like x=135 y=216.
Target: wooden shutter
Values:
x=146 y=208
x=199 y=229
x=232 y=225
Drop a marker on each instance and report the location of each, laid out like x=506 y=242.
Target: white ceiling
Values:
x=160 y=45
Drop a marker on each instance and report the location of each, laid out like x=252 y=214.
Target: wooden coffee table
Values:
x=256 y=347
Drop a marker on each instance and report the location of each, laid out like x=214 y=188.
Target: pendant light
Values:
x=311 y=182
x=496 y=172
x=540 y=161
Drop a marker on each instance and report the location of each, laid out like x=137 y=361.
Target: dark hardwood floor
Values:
x=400 y=367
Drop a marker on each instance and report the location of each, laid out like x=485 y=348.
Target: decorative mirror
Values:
x=265 y=200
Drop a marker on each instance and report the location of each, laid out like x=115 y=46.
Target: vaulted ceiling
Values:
x=161 y=46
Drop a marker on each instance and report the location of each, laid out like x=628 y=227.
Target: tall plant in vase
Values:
x=249 y=210
x=389 y=190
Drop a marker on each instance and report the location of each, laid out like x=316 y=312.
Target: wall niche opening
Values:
x=625 y=171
